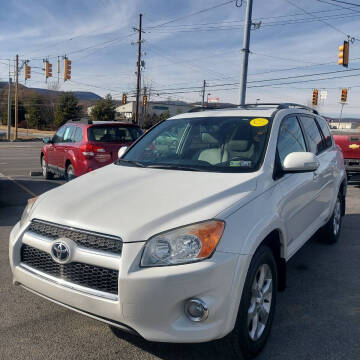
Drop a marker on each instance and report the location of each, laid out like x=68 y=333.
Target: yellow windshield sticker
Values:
x=257 y=122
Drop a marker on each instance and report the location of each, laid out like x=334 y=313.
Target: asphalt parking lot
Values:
x=318 y=316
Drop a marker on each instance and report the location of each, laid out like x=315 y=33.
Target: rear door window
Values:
x=110 y=134
x=326 y=132
x=312 y=134
x=77 y=135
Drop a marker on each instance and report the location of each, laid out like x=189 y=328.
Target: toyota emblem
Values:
x=60 y=252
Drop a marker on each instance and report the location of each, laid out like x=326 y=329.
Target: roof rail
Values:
x=80 y=120
x=211 y=107
x=281 y=106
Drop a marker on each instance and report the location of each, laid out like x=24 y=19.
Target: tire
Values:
x=330 y=233
x=45 y=170
x=69 y=173
x=257 y=309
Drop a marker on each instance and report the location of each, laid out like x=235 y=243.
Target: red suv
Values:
x=82 y=146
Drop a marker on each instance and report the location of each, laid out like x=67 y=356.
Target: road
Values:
x=317 y=317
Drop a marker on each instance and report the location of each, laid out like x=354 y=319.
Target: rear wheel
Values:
x=69 y=173
x=257 y=306
x=45 y=171
x=331 y=231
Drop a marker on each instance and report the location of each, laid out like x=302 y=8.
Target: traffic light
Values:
x=124 y=99
x=144 y=100
x=48 y=69
x=67 y=69
x=27 y=72
x=315 y=97
x=344 y=54
x=344 y=95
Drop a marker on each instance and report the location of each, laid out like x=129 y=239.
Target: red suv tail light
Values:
x=90 y=150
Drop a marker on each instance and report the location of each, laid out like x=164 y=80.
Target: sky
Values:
x=186 y=42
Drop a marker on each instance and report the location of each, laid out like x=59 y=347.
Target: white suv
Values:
x=186 y=237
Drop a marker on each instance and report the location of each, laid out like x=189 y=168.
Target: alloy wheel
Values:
x=260 y=303
x=337 y=217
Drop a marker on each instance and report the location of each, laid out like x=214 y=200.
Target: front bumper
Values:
x=151 y=301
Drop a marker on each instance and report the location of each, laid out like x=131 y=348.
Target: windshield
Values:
x=119 y=134
x=222 y=144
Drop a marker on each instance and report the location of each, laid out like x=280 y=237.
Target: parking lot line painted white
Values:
x=21 y=186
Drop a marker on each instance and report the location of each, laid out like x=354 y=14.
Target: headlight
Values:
x=27 y=210
x=184 y=245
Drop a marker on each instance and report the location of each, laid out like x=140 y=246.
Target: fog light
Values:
x=196 y=310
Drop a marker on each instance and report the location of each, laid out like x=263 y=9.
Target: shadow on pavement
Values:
x=167 y=351
x=13 y=197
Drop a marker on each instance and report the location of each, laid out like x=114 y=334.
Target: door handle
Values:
x=315 y=176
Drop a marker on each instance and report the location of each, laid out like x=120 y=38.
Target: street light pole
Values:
x=246 y=52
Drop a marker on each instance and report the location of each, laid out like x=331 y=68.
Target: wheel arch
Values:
x=275 y=241
x=342 y=191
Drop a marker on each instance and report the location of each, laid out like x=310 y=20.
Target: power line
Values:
x=226 y=27
x=324 y=22
x=345 y=2
x=192 y=14
x=258 y=18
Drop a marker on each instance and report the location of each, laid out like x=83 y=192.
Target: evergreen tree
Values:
x=67 y=109
x=104 y=109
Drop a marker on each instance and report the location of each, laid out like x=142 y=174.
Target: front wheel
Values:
x=45 y=171
x=257 y=306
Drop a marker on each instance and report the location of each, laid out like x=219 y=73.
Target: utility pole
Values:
x=58 y=69
x=203 y=94
x=16 y=95
x=138 y=71
x=245 y=51
x=9 y=108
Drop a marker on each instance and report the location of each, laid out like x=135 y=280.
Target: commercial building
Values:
x=127 y=111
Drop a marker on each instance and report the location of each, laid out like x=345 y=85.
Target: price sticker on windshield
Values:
x=258 y=122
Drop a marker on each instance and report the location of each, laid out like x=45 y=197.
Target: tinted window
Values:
x=290 y=138
x=325 y=130
x=77 y=135
x=58 y=137
x=117 y=134
x=68 y=133
x=312 y=134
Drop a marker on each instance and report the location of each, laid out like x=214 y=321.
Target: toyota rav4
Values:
x=187 y=239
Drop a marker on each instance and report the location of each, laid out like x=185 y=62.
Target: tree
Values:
x=67 y=109
x=104 y=109
x=165 y=115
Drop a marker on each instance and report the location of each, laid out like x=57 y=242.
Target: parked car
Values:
x=81 y=146
x=190 y=244
x=349 y=142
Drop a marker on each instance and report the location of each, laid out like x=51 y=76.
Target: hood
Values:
x=136 y=203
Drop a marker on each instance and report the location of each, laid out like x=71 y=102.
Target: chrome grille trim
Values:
x=87 y=239
x=85 y=277
x=70 y=285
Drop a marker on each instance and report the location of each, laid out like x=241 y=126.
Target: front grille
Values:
x=83 y=238
x=87 y=275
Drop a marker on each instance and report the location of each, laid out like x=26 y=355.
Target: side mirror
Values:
x=122 y=151
x=300 y=162
x=47 y=140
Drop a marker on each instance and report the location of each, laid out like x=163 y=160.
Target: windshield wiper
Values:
x=175 y=167
x=132 y=162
